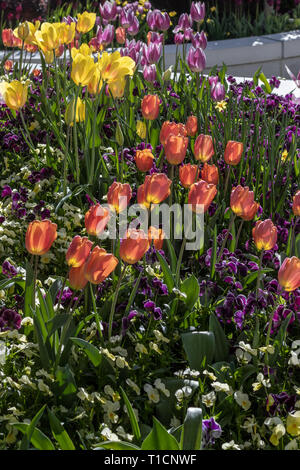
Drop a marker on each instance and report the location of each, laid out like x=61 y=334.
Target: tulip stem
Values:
x=114 y=302
x=35 y=269
x=238 y=234
x=259 y=274
x=95 y=310
x=227 y=179
x=27 y=138
x=64 y=332
x=21 y=59
x=66 y=161
x=232 y=219
x=75 y=138
x=177 y=275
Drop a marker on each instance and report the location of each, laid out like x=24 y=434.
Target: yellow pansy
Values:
x=293 y=423
x=80 y=112
x=284 y=155
x=221 y=106
x=86 y=22
x=14 y=94
x=172 y=13
x=83 y=68
x=277 y=434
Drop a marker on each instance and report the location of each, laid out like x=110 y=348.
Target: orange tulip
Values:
x=175 y=148
x=210 y=174
x=121 y=35
x=134 y=246
x=77 y=279
x=96 y=219
x=169 y=128
x=155 y=189
x=8 y=37
x=242 y=203
x=78 y=251
x=39 y=236
x=150 y=107
x=201 y=193
x=157 y=235
x=119 y=195
x=289 y=274
x=296 y=204
x=99 y=265
x=264 y=234
x=203 y=149
x=187 y=175
x=191 y=126
x=233 y=152
x=144 y=159
x=8 y=65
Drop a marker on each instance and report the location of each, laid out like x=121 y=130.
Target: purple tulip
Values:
x=158 y=20
x=164 y=21
x=296 y=79
x=156 y=38
x=213 y=81
x=197 y=11
x=188 y=34
x=199 y=40
x=218 y=92
x=185 y=22
x=108 y=34
x=108 y=10
x=152 y=53
x=196 y=59
x=149 y=73
x=126 y=17
x=179 y=38
x=134 y=27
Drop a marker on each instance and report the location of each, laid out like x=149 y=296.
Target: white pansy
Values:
x=209 y=399
x=161 y=386
x=242 y=400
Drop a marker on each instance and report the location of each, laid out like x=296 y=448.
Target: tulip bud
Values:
x=233 y=152
x=196 y=59
x=80 y=112
x=210 y=174
x=296 y=204
x=156 y=235
x=141 y=129
x=155 y=189
x=264 y=234
x=14 y=94
x=85 y=22
x=289 y=274
x=119 y=135
x=167 y=74
x=8 y=65
x=23 y=30
x=121 y=35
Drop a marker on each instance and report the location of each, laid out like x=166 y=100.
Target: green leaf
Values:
x=28 y=300
x=56 y=322
x=91 y=351
x=38 y=439
x=192 y=430
x=27 y=437
x=159 y=438
x=173 y=258
x=59 y=433
x=263 y=78
x=133 y=421
x=199 y=345
x=167 y=273
x=191 y=288
x=221 y=342
x=116 y=445
x=66 y=381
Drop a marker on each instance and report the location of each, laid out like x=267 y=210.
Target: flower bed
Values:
x=113 y=321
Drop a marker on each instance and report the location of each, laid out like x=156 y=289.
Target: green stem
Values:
x=66 y=161
x=232 y=219
x=95 y=310
x=75 y=139
x=259 y=273
x=21 y=59
x=114 y=302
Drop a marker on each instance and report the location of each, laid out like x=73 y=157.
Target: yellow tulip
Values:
x=84 y=50
x=95 y=84
x=83 y=68
x=14 y=94
x=293 y=423
x=141 y=129
x=114 y=67
x=49 y=56
x=80 y=112
x=67 y=33
x=23 y=30
x=48 y=36
x=117 y=87
x=86 y=22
